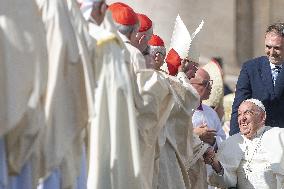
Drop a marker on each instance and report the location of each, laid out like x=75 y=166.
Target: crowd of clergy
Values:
x=91 y=98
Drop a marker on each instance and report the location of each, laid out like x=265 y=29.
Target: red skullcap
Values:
x=116 y=5
x=125 y=16
x=173 y=61
x=156 y=41
x=145 y=22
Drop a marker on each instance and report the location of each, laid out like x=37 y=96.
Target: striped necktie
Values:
x=275 y=71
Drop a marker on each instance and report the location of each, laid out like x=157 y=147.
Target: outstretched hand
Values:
x=205 y=134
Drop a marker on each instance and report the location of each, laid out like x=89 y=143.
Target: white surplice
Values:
x=68 y=97
x=154 y=103
x=205 y=116
x=114 y=151
x=209 y=116
x=177 y=143
x=252 y=164
x=23 y=79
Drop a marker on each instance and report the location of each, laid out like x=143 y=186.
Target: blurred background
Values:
x=233 y=30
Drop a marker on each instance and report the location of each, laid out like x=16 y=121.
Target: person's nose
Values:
x=209 y=87
x=271 y=51
x=243 y=118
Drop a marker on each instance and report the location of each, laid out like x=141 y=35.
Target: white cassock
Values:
x=23 y=79
x=208 y=116
x=23 y=70
x=197 y=169
x=205 y=115
x=114 y=150
x=153 y=105
x=176 y=142
x=67 y=102
x=251 y=164
x=74 y=165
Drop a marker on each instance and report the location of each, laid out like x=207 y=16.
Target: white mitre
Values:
x=181 y=40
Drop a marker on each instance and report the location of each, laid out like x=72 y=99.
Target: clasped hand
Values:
x=187 y=65
x=209 y=156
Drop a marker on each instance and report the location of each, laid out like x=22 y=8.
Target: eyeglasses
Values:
x=205 y=83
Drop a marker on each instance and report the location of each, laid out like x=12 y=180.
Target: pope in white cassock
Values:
x=253 y=158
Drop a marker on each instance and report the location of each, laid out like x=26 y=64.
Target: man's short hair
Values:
x=277 y=28
x=126 y=29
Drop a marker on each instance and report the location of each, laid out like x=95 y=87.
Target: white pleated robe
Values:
x=68 y=97
x=23 y=79
x=114 y=160
x=154 y=102
x=176 y=142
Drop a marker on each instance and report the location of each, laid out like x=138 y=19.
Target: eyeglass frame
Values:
x=205 y=83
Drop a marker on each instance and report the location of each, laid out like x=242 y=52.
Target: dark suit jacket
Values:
x=255 y=81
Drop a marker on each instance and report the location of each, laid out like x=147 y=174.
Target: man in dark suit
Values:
x=261 y=78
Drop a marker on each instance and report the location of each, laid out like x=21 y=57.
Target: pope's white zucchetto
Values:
x=256 y=102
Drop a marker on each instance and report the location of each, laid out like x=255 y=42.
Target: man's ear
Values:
x=103 y=7
x=263 y=117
